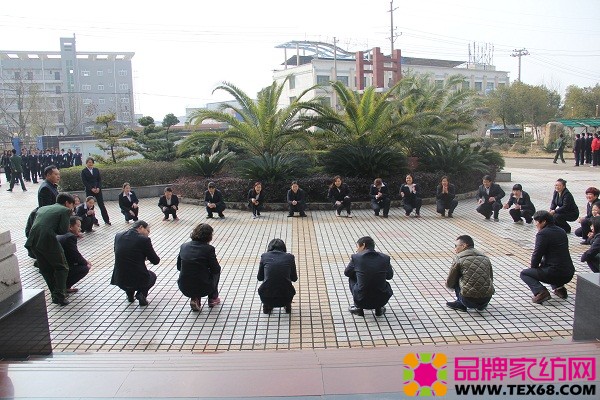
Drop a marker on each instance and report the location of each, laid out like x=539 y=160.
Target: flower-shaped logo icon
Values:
x=425 y=374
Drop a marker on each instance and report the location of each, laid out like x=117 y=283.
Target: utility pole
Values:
x=519 y=53
x=392 y=35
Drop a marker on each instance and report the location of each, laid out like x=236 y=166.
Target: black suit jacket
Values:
x=162 y=202
x=217 y=198
x=371 y=270
x=199 y=266
x=131 y=251
x=68 y=241
x=299 y=196
x=91 y=180
x=47 y=194
x=338 y=194
x=260 y=197
x=524 y=201
x=125 y=204
x=277 y=270
x=384 y=191
x=564 y=204
x=551 y=252
x=495 y=191
x=446 y=198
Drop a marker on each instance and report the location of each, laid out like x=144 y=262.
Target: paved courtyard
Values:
x=99 y=317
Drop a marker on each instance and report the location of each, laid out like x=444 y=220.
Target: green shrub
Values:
x=522 y=149
x=364 y=161
x=136 y=172
x=208 y=164
x=454 y=158
x=273 y=168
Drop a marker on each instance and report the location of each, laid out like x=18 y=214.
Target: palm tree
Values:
x=259 y=126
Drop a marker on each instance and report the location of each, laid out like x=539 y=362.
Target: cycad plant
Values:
x=208 y=165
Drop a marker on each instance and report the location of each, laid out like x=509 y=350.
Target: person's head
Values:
x=295 y=186
x=337 y=181
x=168 y=192
x=560 y=185
x=463 y=242
x=378 y=182
x=409 y=179
x=70 y=151
x=14 y=151
x=365 y=243
x=595 y=225
x=542 y=218
x=591 y=194
x=517 y=190
x=52 y=174
x=65 y=199
x=211 y=187
x=141 y=227
x=75 y=224
x=596 y=209
x=77 y=200
x=487 y=181
x=202 y=233
x=578 y=136
x=276 y=245
x=90 y=201
x=126 y=187
x=444 y=181
x=89 y=162
x=257 y=186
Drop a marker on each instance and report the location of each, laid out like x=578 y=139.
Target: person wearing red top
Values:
x=595 y=151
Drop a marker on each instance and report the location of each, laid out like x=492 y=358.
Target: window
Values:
x=501 y=84
x=123 y=86
x=57 y=76
x=99 y=73
x=292 y=99
x=292 y=81
x=89 y=129
x=326 y=101
x=343 y=79
x=122 y=72
x=465 y=84
x=478 y=86
x=489 y=87
x=30 y=75
x=61 y=118
x=101 y=101
x=85 y=73
x=126 y=115
x=59 y=103
x=322 y=79
x=100 y=87
x=124 y=100
x=61 y=131
x=17 y=75
x=87 y=101
x=86 y=87
x=58 y=90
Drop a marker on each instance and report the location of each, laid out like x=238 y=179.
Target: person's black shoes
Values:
x=62 y=302
x=541 y=296
x=267 y=309
x=561 y=292
x=209 y=216
x=221 y=215
x=130 y=294
x=356 y=311
x=288 y=308
x=379 y=311
x=456 y=305
x=303 y=215
x=141 y=299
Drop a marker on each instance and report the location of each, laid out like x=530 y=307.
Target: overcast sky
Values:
x=183 y=49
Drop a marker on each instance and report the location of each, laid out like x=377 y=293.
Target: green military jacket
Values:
x=16 y=164
x=49 y=221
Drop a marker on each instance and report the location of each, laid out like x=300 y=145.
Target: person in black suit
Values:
x=256 y=199
x=87 y=212
x=339 y=195
x=277 y=271
x=129 y=203
x=169 y=204
x=199 y=268
x=591 y=195
x=132 y=248
x=577 y=148
x=550 y=261
x=445 y=194
x=368 y=272
x=411 y=196
x=523 y=207
x=25 y=159
x=588 y=147
x=69 y=158
x=48 y=190
x=93 y=186
x=563 y=207
x=77 y=158
x=592 y=255
x=213 y=199
x=34 y=166
x=296 y=199
x=78 y=266
x=380 y=197
x=489 y=198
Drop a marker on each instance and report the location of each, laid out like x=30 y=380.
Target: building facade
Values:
x=62 y=92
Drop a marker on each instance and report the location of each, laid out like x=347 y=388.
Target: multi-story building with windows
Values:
x=62 y=92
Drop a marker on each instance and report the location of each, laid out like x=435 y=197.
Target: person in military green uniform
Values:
x=16 y=171
x=42 y=242
x=560 y=148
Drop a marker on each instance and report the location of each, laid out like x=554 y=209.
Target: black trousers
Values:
x=486 y=209
x=220 y=207
x=518 y=214
x=380 y=205
x=76 y=273
x=345 y=204
x=144 y=289
x=100 y=202
x=441 y=207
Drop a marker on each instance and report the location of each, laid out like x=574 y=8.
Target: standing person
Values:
x=591 y=195
x=69 y=158
x=550 y=261
x=380 y=197
x=339 y=195
x=471 y=276
x=25 y=165
x=595 y=150
x=368 y=273
x=199 y=268
x=169 y=204
x=560 y=148
x=132 y=248
x=77 y=158
x=34 y=166
x=489 y=198
x=522 y=205
x=129 y=203
x=592 y=255
x=42 y=243
x=78 y=266
x=16 y=173
x=588 y=148
x=277 y=271
x=86 y=211
x=48 y=190
x=296 y=199
x=6 y=165
x=445 y=194
x=256 y=199
x=563 y=207
x=213 y=199
x=577 y=148
x=93 y=186
x=410 y=192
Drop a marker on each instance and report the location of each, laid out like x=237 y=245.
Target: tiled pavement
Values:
x=99 y=317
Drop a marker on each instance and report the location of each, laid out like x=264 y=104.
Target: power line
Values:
x=519 y=53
